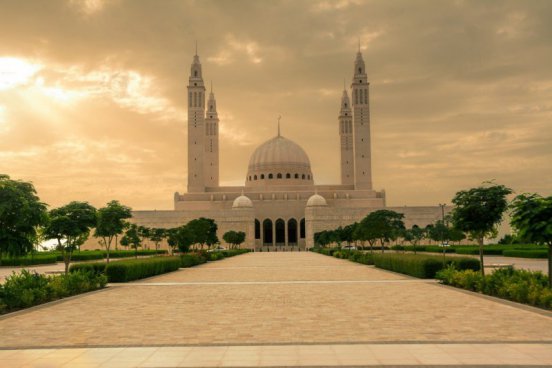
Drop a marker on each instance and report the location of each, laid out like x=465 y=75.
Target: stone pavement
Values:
x=277 y=309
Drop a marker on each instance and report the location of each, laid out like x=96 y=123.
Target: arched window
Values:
x=279 y=176
x=308 y=177
x=292 y=231
x=280 y=227
x=195 y=73
x=267 y=232
x=288 y=176
x=270 y=176
x=254 y=177
x=249 y=177
x=303 y=176
x=359 y=70
x=262 y=176
x=302 y=228
x=296 y=176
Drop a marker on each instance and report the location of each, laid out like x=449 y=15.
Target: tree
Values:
x=144 y=233
x=532 y=218
x=70 y=225
x=21 y=213
x=382 y=225
x=132 y=239
x=204 y=231
x=172 y=240
x=111 y=223
x=234 y=238
x=185 y=238
x=156 y=236
x=414 y=235
x=479 y=210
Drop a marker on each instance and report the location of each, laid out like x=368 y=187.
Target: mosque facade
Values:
x=280 y=206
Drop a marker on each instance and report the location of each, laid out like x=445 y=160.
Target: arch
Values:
x=280 y=228
x=195 y=73
x=302 y=229
x=249 y=177
x=303 y=176
x=267 y=231
x=279 y=176
x=254 y=177
x=262 y=176
x=270 y=176
x=257 y=229
x=288 y=176
x=296 y=176
x=308 y=176
x=292 y=231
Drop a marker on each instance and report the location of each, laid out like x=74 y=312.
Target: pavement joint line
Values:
x=424 y=281
x=328 y=343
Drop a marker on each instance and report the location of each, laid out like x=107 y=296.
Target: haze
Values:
x=92 y=93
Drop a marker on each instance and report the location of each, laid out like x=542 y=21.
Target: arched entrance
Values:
x=267 y=232
x=280 y=232
x=257 y=229
x=292 y=232
x=302 y=230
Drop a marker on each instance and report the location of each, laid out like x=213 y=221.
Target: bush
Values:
x=27 y=289
x=90 y=255
x=526 y=253
x=521 y=286
x=422 y=266
x=134 y=269
x=36 y=259
x=191 y=259
x=94 y=267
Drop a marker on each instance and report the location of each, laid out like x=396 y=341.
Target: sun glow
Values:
x=15 y=72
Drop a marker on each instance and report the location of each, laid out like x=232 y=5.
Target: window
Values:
x=262 y=176
x=254 y=177
x=249 y=177
x=288 y=176
x=296 y=176
x=195 y=73
x=303 y=176
x=308 y=177
x=360 y=71
x=270 y=176
x=279 y=176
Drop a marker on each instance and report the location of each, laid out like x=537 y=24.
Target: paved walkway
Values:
x=277 y=309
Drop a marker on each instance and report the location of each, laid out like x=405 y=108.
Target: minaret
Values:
x=361 y=126
x=346 y=138
x=196 y=129
x=211 y=142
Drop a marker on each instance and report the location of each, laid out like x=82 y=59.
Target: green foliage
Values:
x=70 y=225
x=479 y=210
x=27 y=289
x=93 y=267
x=21 y=212
x=382 y=225
x=132 y=238
x=111 y=222
x=28 y=260
x=521 y=286
x=157 y=235
x=422 y=266
x=134 y=269
x=192 y=259
x=89 y=255
x=525 y=253
x=234 y=238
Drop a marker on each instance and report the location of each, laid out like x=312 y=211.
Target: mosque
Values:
x=279 y=207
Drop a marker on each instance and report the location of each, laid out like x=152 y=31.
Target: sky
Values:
x=93 y=92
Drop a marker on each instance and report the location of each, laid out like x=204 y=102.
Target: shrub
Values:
x=526 y=253
x=36 y=259
x=134 y=269
x=27 y=289
x=191 y=259
x=422 y=266
x=90 y=255
x=94 y=267
x=521 y=286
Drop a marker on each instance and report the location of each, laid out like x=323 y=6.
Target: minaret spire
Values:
x=196 y=48
x=279 y=117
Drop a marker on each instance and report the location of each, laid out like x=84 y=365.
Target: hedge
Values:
x=522 y=286
x=28 y=260
x=27 y=289
x=89 y=255
x=421 y=266
x=192 y=259
x=95 y=267
x=134 y=269
x=526 y=253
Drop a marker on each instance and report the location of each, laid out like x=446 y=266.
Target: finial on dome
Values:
x=279 y=117
x=359 y=45
x=344 y=85
x=242 y=192
x=211 y=86
x=196 y=48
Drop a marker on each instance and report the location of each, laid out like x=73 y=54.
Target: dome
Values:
x=279 y=161
x=316 y=200
x=242 y=202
